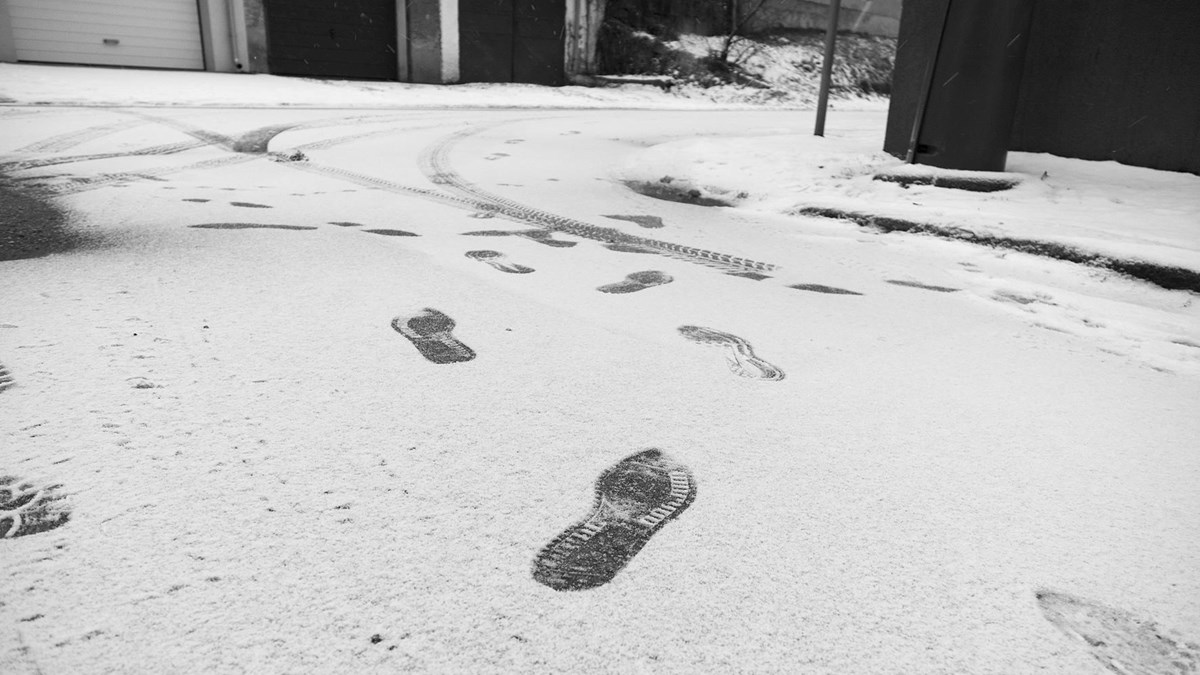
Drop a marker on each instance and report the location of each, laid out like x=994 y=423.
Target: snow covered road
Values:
x=320 y=387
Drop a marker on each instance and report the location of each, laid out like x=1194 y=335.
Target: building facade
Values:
x=429 y=41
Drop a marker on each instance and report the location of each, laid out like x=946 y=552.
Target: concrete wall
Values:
x=1103 y=79
x=425 y=41
x=8 y=47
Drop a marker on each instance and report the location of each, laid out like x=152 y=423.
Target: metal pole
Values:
x=919 y=118
x=827 y=66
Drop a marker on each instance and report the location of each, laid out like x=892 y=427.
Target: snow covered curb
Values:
x=26 y=84
x=1129 y=219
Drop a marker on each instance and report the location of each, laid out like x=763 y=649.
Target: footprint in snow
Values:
x=499 y=261
x=739 y=355
x=638 y=281
x=1123 y=643
x=633 y=500
x=26 y=508
x=430 y=331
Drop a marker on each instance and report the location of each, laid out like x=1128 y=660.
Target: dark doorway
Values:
x=332 y=38
x=511 y=41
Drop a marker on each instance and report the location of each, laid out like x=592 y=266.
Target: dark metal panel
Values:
x=967 y=115
x=485 y=29
x=1114 y=79
x=1103 y=79
x=538 y=56
x=339 y=38
x=512 y=41
x=920 y=26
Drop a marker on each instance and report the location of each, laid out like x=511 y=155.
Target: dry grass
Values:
x=787 y=62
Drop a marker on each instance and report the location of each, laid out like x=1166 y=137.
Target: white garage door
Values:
x=145 y=33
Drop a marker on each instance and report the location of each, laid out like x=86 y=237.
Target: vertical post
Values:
x=919 y=118
x=827 y=66
x=237 y=28
x=402 y=47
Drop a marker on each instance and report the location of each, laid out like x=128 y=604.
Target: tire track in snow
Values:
x=434 y=162
x=156 y=150
x=70 y=139
x=83 y=184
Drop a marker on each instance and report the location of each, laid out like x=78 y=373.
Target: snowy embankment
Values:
x=72 y=85
x=1104 y=211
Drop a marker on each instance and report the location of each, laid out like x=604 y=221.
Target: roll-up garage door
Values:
x=142 y=33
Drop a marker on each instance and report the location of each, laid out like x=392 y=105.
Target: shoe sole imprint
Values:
x=27 y=509
x=430 y=333
x=6 y=378
x=1117 y=639
x=633 y=500
x=638 y=281
x=498 y=260
x=738 y=353
x=540 y=236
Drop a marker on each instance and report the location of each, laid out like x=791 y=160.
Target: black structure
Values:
x=512 y=41
x=964 y=118
x=1101 y=80
x=353 y=39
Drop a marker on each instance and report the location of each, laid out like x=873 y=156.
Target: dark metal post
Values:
x=966 y=114
x=910 y=156
x=827 y=66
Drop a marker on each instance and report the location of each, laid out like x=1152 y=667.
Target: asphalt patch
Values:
x=821 y=288
x=393 y=233
x=927 y=287
x=250 y=226
x=33 y=228
x=650 y=222
x=671 y=193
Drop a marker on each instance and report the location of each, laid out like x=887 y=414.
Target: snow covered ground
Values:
x=923 y=456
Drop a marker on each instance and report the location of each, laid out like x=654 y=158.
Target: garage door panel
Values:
x=539 y=61
x=298 y=29
x=347 y=38
x=511 y=41
x=90 y=22
x=148 y=33
x=42 y=39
